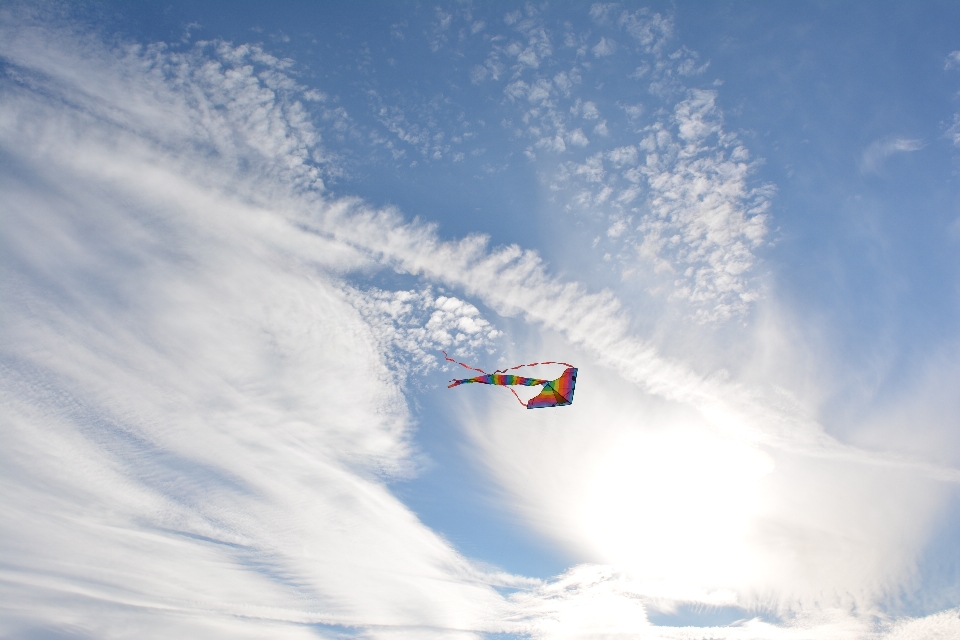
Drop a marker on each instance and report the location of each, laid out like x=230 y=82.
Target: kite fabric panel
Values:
x=555 y=393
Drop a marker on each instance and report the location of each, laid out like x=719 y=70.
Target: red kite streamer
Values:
x=555 y=393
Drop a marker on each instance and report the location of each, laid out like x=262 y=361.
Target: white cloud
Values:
x=529 y=58
x=600 y=11
x=555 y=144
x=879 y=150
x=688 y=514
x=517 y=89
x=939 y=626
x=705 y=221
x=953 y=133
x=651 y=31
x=199 y=421
x=478 y=74
x=539 y=91
x=623 y=156
x=701 y=221
x=686 y=61
x=952 y=61
x=413 y=326
x=597 y=601
x=439 y=36
x=511 y=280
x=562 y=81
x=633 y=111
x=604 y=48
x=590 y=111
x=577 y=138
x=617 y=228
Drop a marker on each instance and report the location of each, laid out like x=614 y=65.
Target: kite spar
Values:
x=555 y=393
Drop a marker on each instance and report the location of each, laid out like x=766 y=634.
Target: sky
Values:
x=238 y=237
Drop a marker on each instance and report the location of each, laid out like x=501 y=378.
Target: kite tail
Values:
x=466 y=366
x=532 y=364
x=502 y=380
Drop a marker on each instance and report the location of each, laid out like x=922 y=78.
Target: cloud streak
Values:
x=879 y=150
x=953 y=132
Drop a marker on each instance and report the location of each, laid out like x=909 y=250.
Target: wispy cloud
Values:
x=200 y=415
x=198 y=421
x=952 y=62
x=605 y=47
x=879 y=150
x=953 y=132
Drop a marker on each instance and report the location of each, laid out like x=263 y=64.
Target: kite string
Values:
x=465 y=366
x=516 y=396
x=519 y=366
x=532 y=364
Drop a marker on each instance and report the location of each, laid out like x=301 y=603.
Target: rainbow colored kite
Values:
x=555 y=393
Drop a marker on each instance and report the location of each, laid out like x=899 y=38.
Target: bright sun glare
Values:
x=676 y=505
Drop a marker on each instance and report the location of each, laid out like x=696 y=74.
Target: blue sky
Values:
x=236 y=239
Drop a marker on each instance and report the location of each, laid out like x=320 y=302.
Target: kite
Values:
x=555 y=393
